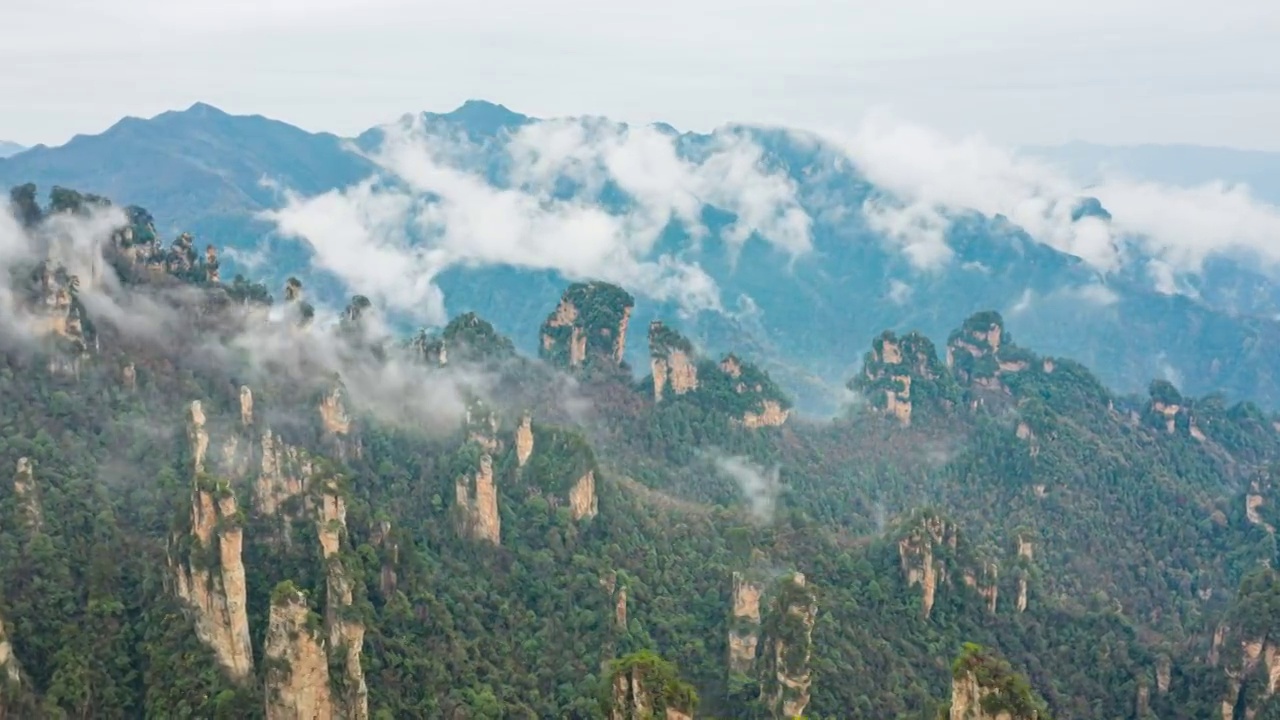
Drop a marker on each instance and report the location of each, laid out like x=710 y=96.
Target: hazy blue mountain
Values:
x=201 y=170
x=1185 y=165
x=10 y=148
x=809 y=320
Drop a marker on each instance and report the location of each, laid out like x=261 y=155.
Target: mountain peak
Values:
x=484 y=117
x=204 y=109
x=10 y=148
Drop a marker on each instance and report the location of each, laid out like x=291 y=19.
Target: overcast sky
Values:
x=1115 y=71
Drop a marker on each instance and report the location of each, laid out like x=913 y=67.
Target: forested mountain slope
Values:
x=225 y=504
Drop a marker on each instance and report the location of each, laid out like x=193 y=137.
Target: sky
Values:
x=1110 y=71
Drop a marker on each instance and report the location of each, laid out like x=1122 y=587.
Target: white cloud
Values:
x=899 y=292
x=391 y=242
x=760 y=486
x=931 y=174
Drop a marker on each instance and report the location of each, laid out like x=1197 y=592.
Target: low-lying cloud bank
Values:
x=590 y=198
x=392 y=385
x=932 y=176
x=392 y=237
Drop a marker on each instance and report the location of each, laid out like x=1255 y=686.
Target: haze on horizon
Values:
x=1119 y=72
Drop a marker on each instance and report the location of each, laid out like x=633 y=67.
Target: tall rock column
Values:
x=346 y=632
x=785 y=676
x=297 y=667
x=744 y=624
x=211 y=580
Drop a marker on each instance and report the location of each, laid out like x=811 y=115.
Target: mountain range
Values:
x=812 y=250
x=9 y=148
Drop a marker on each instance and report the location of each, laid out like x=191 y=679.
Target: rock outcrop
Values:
x=672 y=361
x=24 y=489
x=10 y=670
x=785 y=675
x=758 y=402
x=897 y=370
x=583 y=502
x=588 y=326
x=1167 y=410
x=476 y=495
x=338 y=437
x=916 y=555
x=524 y=440
x=1246 y=645
x=1024 y=560
x=345 y=630
x=980 y=353
x=984 y=687
x=643 y=686
x=297 y=666
x=211 y=579
x=1256 y=505
x=744 y=624
x=285 y=473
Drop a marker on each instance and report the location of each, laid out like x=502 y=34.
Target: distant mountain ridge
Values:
x=1185 y=165
x=805 y=318
x=8 y=149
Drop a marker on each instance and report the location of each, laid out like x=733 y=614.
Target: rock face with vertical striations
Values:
x=672 y=361
x=588 y=326
x=24 y=489
x=476 y=496
x=901 y=375
x=785 y=675
x=345 y=630
x=744 y=624
x=756 y=401
x=211 y=578
x=917 y=550
x=524 y=440
x=1246 y=646
x=297 y=666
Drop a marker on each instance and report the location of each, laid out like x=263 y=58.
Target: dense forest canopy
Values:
x=224 y=505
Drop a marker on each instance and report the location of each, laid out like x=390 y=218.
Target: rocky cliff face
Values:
x=891 y=369
x=476 y=497
x=762 y=402
x=785 y=675
x=345 y=630
x=1026 y=552
x=981 y=352
x=1256 y=505
x=524 y=440
x=10 y=670
x=297 y=667
x=645 y=687
x=24 y=489
x=916 y=554
x=583 y=502
x=1246 y=646
x=984 y=687
x=672 y=361
x=211 y=579
x=338 y=436
x=744 y=624
x=588 y=325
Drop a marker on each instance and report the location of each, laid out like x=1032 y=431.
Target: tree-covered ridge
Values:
x=597 y=524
